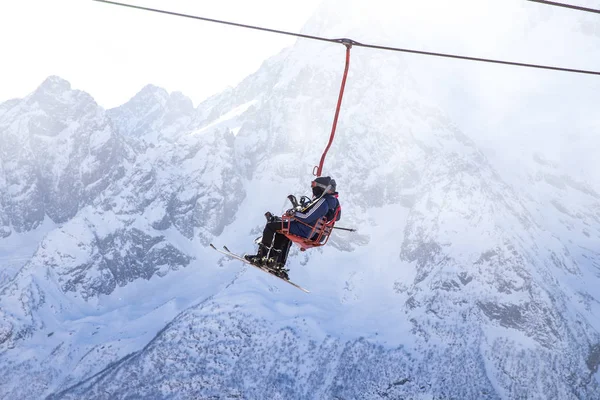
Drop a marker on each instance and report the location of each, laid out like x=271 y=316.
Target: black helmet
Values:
x=323 y=184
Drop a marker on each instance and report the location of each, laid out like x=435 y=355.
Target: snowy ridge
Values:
x=461 y=278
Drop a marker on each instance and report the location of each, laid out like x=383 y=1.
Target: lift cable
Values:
x=574 y=7
x=358 y=44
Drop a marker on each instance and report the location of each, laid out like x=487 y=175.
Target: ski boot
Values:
x=282 y=273
x=259 y=258
x=278 y=269
x=253 y=259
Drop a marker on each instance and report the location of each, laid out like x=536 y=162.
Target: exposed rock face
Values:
x=461 y=284
x=58 y=153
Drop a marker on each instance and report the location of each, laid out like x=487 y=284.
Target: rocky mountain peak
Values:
x=454 y=267
x=59 y=101
x=150 y=94
x=54 y=85
x=150 y=115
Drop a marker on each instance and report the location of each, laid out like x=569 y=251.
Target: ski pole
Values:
x=345 y=229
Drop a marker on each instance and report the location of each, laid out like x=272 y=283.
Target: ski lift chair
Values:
x=319 y=234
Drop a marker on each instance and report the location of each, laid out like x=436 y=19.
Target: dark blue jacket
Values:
x=326 y=206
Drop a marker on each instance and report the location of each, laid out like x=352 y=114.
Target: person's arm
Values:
x=336 y=206
x=311 y=215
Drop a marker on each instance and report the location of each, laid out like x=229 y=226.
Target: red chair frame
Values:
x=320 y=231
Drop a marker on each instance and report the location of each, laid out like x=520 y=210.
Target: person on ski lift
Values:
x=274 y=246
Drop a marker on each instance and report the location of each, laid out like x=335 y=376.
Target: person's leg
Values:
x=269 y=235
x=278 y=255
x=282 y=245
x=266 y=244
x=285 y=251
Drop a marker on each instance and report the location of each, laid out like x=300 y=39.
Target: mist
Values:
x=473 y=186
x=514 y=114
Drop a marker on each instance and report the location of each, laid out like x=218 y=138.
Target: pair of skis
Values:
x=230 y=254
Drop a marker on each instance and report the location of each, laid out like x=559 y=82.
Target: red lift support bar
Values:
x=348 y=43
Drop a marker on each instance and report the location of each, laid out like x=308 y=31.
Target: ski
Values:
x=231 y=254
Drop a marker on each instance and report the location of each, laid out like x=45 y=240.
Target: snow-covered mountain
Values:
x=466 y=280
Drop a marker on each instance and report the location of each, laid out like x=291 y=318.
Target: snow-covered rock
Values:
x=466 y=280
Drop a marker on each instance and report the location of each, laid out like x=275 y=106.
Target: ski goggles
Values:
x=317 y=184
x=326 y=188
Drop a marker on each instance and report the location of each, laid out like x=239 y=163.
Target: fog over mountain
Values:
x=473 y=275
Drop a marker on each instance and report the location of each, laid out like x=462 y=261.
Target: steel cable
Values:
x=358 y=44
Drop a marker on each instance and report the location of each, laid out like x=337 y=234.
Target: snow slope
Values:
x=466 y=279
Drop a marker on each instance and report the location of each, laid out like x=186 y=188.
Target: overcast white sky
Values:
x=112 y=52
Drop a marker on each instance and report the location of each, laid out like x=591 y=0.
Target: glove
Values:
x=290 y=212
x=293 y=200
x=304 y=201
